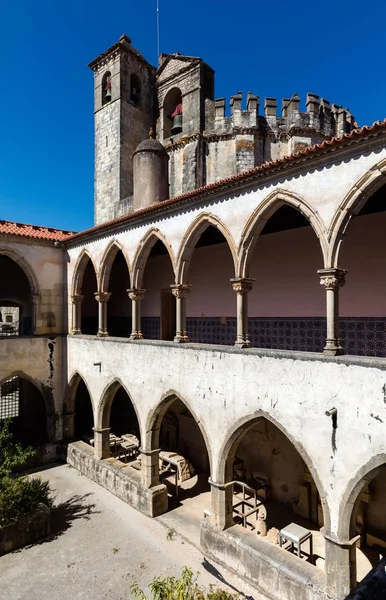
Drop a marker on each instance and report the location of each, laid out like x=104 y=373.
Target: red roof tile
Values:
x=34 y=231
x=311 y=151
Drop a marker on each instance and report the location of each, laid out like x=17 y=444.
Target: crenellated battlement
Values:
x=321 y=118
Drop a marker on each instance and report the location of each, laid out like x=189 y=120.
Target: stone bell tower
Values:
x=124 y=84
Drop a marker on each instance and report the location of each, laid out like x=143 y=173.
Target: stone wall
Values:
x=28 y=529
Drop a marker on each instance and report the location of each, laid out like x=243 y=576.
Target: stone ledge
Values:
x=119 y=479
x=26 y=530
x=277 y=574
x=346 y=359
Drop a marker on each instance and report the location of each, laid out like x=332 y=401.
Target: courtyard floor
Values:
x=99 y=546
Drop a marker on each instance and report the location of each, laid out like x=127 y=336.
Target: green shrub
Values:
x=18 y=494
x=183 y=588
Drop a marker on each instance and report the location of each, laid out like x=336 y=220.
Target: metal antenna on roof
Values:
x=158 y=36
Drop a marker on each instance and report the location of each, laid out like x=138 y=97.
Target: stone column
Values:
x=221 y=495
x=34 y=317
x=341 y=568
x=76 y=326
x=102 y=298
x=242 y=286
x=149 y=467
x=181 y=291
x=101 y=443
x=332 y=280
x=136 y=296
x=68 y=425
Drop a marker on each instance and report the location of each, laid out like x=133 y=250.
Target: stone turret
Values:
x=150 y=174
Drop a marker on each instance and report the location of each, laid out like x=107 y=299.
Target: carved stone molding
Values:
x=102 y=296
x=181 y=290
x=242 y=285
x=77 y=299
x=332 y=279
x=136 y=295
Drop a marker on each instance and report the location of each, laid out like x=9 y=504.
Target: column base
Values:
x=243 y=344
x=102 y=334
x=76 y=332
x=333 y=349
x=180 y=339
x=136 y=335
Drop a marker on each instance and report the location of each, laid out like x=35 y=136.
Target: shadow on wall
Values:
x=373 y=586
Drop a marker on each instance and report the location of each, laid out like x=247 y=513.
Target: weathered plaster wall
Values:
x=42 y=360
x=46 y=265
x=291 y=390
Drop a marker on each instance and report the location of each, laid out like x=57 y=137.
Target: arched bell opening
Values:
x=23 y=403
x=16 y=306
x=271 y=488
x=106 y=88
x=362 y=306
x=84 y=415
x=211 y=304
x=286 y=305
x=135 y=90
x=89 y=307
x=172 y=113
x=119 y=304
x=183 y=459
x=158 y=320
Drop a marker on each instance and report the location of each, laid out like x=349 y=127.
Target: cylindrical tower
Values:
x=150 y=174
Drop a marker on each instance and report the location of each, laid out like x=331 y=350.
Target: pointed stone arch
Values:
x=145 y=246
x=351 y=205
x=79 y=270
x=102 y=418
x=232 y=438
x=69 y=405
x=351 y=496
x=155 y=418
x=264 y=212
x=24 y=265
x=107 y=262
x=191 y=237
x=46 y=394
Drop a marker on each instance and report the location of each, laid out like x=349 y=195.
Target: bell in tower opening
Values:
x=177 y=120
x=106 y=88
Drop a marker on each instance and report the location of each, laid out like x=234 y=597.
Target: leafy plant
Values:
x=183 y=588
x=18 y=494
x=170 y=534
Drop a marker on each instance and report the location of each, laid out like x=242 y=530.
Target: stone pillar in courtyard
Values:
x=181 y=291
x=101 y=443
x=340 y=566
x=136 y=297
x=102 y=298
x=332 y=280
x=76 y=326
x=221 y=495
x=242 y=286
x=150 y=467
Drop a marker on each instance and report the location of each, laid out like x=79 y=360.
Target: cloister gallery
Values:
x=221 y=352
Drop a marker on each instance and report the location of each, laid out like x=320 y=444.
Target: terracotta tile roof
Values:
x=317 y=150
x=34 y=231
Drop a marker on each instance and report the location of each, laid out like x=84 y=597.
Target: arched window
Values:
x=106 y=88
x=172 y=113
x=15 y=300
x=135 y=90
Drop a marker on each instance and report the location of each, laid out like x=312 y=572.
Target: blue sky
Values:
x=46 y=152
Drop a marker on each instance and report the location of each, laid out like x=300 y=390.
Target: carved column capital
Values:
x=77 y=299
x=102 y=296
x=332 y=279
x=180 y=290
x=242 y=285
x=136 y=295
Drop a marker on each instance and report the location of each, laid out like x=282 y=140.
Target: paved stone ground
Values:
x=99 y=546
